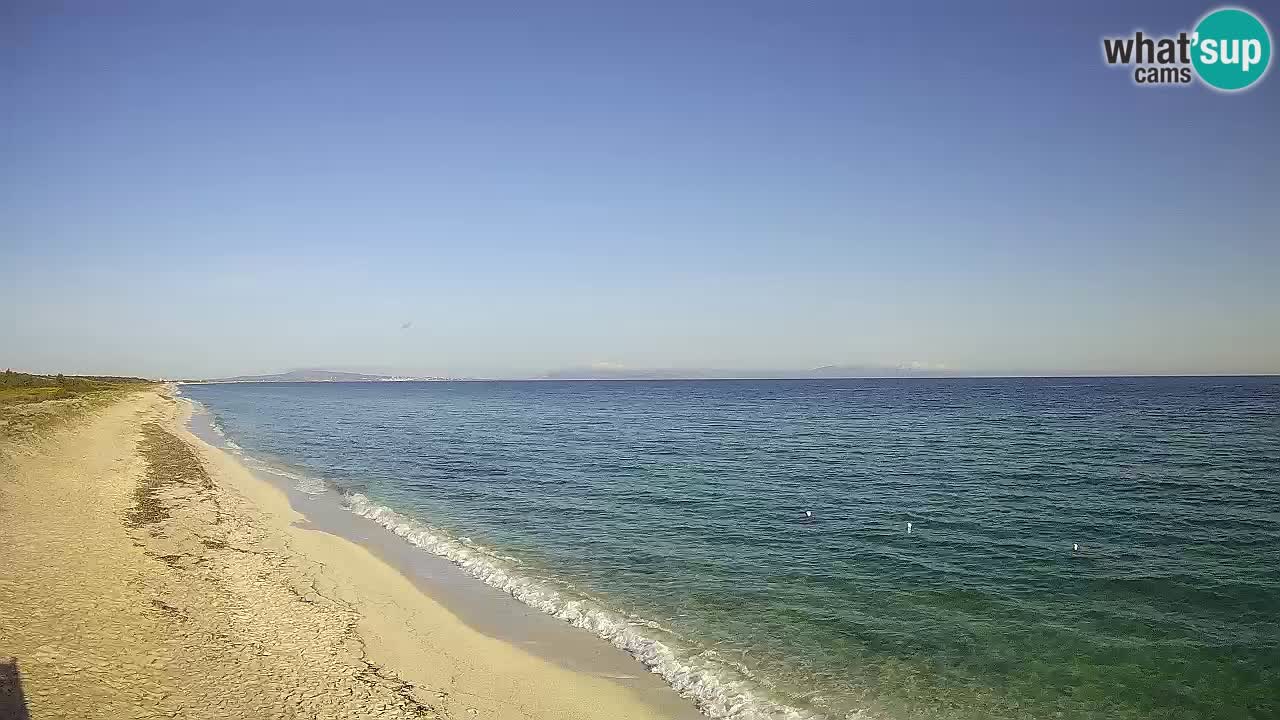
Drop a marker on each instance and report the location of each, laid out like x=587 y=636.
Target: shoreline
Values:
x=156 y=576
x=483 y=589
x=489 y=610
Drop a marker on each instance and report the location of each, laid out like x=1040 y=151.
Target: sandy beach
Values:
x=147 y=574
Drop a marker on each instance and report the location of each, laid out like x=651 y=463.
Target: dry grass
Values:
x=31 y=405
x=29 y=419
x=24 y=395
x=21 y=388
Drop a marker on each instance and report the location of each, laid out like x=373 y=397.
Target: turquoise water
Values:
x=669 y=518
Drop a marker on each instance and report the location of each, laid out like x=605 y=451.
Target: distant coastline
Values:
x=311 y=376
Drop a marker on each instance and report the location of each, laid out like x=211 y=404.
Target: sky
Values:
x=502 y=189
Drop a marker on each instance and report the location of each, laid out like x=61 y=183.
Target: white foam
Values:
x=215 y=424
x=718 y=689
x=309 y=485
x=301 y=483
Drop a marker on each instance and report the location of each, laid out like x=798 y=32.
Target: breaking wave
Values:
x=720 y=689
x=301 y=483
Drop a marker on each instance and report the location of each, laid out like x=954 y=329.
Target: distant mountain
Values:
x=306 y=376
x=875 y=371
x=621 y=373
x=616 y=372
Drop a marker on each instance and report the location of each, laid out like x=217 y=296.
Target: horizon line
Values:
x=741 y=378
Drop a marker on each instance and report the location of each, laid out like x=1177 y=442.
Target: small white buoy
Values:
x=1075 y=546
x=908 y=528
x=808 y=513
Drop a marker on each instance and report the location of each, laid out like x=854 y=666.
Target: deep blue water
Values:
x=669 y=518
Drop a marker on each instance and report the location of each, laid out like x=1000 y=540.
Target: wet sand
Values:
x=147 y=574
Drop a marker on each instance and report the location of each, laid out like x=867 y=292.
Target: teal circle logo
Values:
x=1232 y=49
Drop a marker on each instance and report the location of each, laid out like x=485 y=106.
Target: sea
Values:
x=843 y=549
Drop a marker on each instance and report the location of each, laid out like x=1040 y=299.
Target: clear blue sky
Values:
x=221 y=188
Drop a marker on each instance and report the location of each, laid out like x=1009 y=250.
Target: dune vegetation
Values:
x=31 y=403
